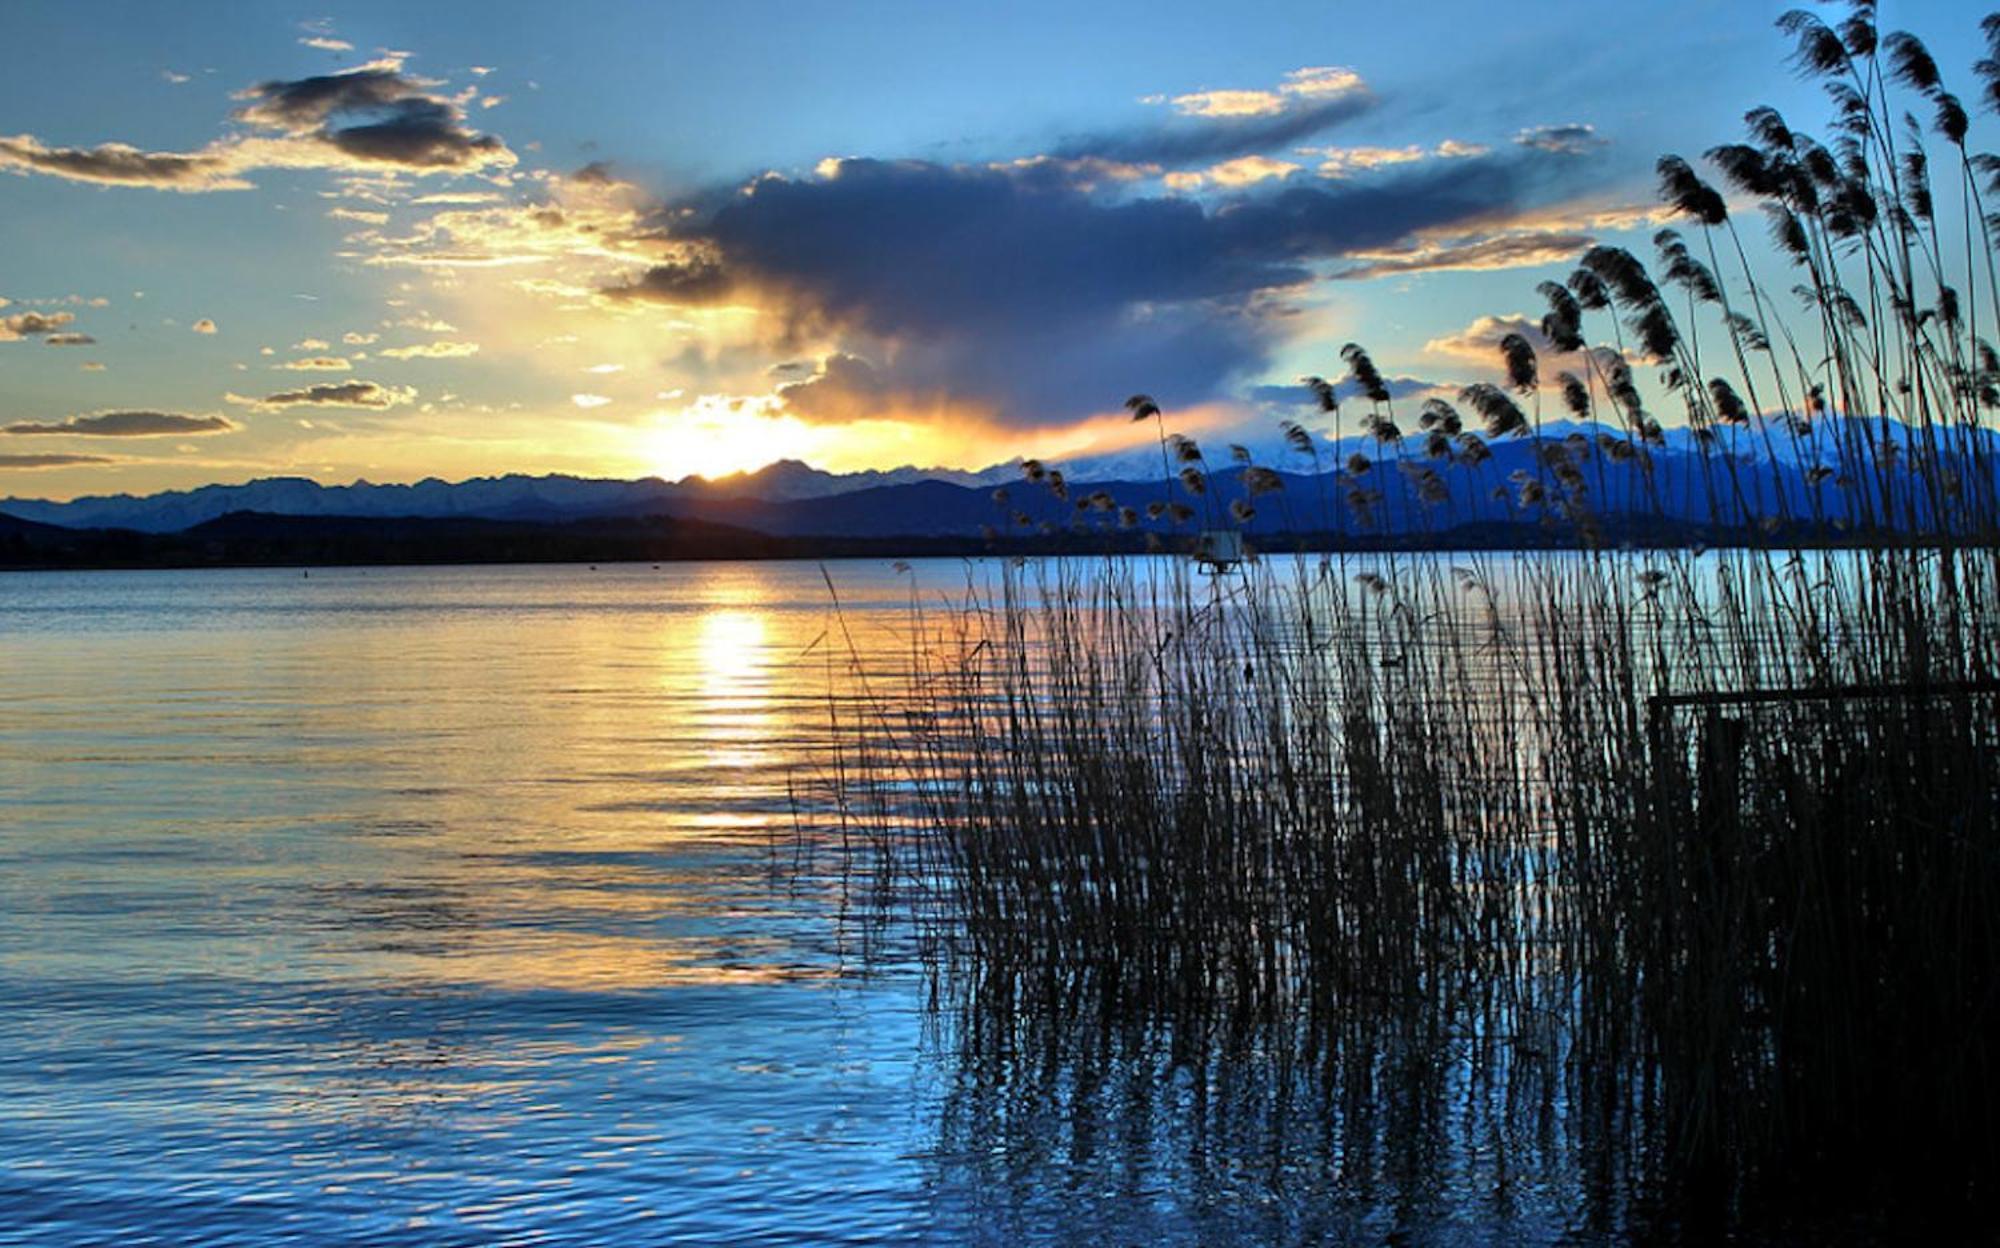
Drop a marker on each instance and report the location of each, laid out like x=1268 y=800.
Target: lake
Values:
x=464 y=906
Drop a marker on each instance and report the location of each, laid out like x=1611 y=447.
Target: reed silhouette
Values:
x=1703 y=845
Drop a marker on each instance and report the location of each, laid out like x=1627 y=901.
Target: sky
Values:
x=394 y=241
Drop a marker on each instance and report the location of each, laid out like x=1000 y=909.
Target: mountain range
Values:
x=1746 y=478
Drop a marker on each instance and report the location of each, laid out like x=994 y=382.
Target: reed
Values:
x=1709 y=839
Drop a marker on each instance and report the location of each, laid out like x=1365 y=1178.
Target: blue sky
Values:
x=621 y=239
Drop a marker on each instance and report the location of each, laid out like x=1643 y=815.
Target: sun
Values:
x=717 y=435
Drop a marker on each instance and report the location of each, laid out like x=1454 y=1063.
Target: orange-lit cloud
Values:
x=1311 y=83
x=1243 y=171
x=33 y=324
x=441 y=350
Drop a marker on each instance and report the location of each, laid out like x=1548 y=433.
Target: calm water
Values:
x=439 y=906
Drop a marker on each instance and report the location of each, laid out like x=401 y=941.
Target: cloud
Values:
x=1316 y=81
x=33 y=324
x=1230 y=174
x=354 y=338
x=1083 y=173
x=1229 y=103
x=1479 y=343
x=697 y=281
x=317 y=364
x=1070 y=301
x=374 y=113
x=842 y=390
x=585 y=221
x=124 y=425
x=69 y=340
x=433 y=351
x=1214 y=126
x=1505 y=251
x=1216 y=139
x=366 y=394
x=52 y=461
x=203 y=326
x=326 y=43
x=1313 y=82
x=121 y=164
x=587 y=401
x=1571 y=139
x=370 y=118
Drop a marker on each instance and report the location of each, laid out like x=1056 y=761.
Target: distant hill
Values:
x=513 y=497
x=1528 y=490
x=254 y=539
x=786 y=497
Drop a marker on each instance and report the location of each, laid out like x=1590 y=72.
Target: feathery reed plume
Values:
x=1682 y=188
x=1260 y=480
x=1818 y=51
x=1519 y=357
x=1576 y=396
x=1910 y=62
x=1729 y=407
x=1562 y=325
x=1441 y=416
x=1503 y=418
x=1323 y=394
x=1365 y=375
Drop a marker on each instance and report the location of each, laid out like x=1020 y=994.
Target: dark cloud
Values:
x=374 y=113
x=335 y=394
x=362 y=118
x=1195 y=141
x=69 y=340
x=124 y=425
x=52 y=461
x=420 y=134
x=1572 y=139
x=689 y=282
x=118 y=164
x=1048 y=302
x=845 y=388
x=305 y=103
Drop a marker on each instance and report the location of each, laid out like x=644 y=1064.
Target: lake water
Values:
x=461 y=906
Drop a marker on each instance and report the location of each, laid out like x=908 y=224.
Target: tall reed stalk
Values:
x=1712 y=836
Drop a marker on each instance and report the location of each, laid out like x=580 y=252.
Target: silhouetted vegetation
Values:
x=1699 y=851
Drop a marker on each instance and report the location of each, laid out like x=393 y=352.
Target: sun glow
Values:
x=717 y=435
